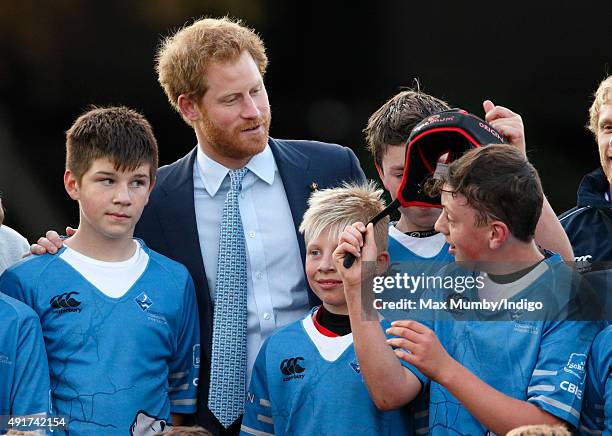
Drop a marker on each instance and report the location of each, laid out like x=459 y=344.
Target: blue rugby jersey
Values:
x=597 y=406
x=118 y=365
x=24 y=374
x=539 y=358
x=307 y=383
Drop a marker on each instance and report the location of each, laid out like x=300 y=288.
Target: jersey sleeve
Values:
x=597 y=404
x=257 y=419
x=185 y=365
x=557 y=381
x=30 y=393
x=12 y=285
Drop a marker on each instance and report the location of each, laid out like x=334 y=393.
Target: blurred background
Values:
x=332 y=63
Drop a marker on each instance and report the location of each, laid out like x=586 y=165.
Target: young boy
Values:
x=413 y=238
x=597 y=408
x=24 y=390
x=119 y=320
x=485 y=376
x=306 y=378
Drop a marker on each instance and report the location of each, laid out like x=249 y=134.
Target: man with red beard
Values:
x=212 y=73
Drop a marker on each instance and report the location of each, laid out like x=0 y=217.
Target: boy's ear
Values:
x=382 y=262
x=499 y=233
x=151 y=185
x=71 y=184
x=189 y=108
x=379 y=170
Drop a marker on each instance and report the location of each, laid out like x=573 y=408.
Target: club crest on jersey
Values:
x=65 y=302
x=355 y=365
x=292 y=368
x=143 y=301
x=576 y=364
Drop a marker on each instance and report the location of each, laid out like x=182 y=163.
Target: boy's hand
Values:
x=426 y=352
x=363 y=247
x=506 y=122
x=51 y=242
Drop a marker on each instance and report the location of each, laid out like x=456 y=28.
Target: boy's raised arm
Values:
x=389 y=383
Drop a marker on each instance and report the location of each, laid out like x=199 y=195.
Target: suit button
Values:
x=259 y=275
x=266 y=316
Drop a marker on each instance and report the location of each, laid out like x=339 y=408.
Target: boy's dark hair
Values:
x=500 y=184
x=119 y=134
x=392 y=123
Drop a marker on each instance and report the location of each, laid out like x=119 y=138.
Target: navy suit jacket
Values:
x=168 y=223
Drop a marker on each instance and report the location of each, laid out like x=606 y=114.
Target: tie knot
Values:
x=236 y=177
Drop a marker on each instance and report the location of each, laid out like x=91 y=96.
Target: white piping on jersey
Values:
x=543 y=388
x=177 y=375
x=576 y=211
x=254 y=432
x=266 y=419
x=557 y=404
x=265 y=403
x=544 y=372
x=178 y=388
x=184 y=402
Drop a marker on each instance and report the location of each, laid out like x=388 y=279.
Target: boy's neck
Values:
x=102 y=248
x=404 y=225
x=516 y=256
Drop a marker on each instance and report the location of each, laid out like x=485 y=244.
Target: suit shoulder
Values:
x=313 y=147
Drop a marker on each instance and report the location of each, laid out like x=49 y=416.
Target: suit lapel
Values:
x=177 y=213
x=293 y=167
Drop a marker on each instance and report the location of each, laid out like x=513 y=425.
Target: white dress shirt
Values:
x=276 y=283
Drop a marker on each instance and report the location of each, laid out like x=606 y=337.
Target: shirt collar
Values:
x=213 y=173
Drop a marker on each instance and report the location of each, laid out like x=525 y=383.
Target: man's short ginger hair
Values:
x=335 y=208
x=602 y=96
x=499 y=183
x=392 y=123
x=182 y=59
x=119 y=134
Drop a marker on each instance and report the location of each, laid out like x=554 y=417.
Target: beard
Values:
x=235 y=144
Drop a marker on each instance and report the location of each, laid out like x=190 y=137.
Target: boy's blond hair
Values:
x=603 y=95
x=183 y=59
x=335 y=208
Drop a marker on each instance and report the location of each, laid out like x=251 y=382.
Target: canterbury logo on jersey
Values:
x=65 y=302
x=292 y=368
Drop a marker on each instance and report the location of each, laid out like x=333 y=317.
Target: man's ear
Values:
x=382 y=262
x=499 y=233
x=71 y=184
x=189 y=108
